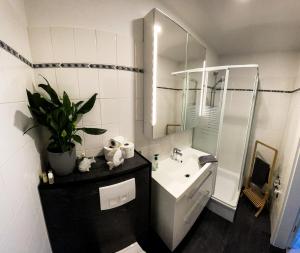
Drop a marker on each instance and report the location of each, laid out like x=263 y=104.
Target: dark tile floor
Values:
x=213 y=234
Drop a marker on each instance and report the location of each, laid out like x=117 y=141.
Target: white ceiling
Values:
x=242 y=26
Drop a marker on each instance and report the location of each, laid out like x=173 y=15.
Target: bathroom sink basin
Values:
x=177 y=176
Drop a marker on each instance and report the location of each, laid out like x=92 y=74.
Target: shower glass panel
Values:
x=192 y=92
x=224 y=127
x=236 y=119
x=207 y=127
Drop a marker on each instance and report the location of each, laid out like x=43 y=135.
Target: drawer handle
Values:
x=187 y=217
x=203 y=181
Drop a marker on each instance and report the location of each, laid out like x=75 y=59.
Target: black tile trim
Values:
x=275 y=91
x=87 y=65
x=13 y=52
x=298 y=89
x=102 y=66
x=167 y=88
x=263 y=90
x=46 y=65
x=74 y=65
x=233 y=89
x=176 y=89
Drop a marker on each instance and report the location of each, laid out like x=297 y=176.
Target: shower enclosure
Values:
x=225 y=97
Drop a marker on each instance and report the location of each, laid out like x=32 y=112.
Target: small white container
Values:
x=155 y=162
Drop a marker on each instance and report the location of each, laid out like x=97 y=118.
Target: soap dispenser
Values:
x=155 y=162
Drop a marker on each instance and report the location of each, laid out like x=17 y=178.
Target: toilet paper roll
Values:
x=107 y=150
x=128 y=150
x=117 y=141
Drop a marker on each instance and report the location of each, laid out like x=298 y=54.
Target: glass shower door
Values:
x=206 y=132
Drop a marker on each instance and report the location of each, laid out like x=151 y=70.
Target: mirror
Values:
x=174 y=103
x=171 y=57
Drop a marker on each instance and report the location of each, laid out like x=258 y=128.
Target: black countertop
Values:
x=98 y=171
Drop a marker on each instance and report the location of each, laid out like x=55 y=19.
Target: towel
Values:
x=207 y=159
x=260 y=173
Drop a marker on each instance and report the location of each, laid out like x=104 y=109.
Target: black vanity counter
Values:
x=99 y=171
x=75 y=221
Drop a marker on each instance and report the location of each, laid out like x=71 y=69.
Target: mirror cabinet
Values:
x=171 y=96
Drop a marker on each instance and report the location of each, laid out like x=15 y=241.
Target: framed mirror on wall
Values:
x=171 y=101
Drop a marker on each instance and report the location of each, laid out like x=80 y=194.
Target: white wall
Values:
x=285 y=208
x=22 y=227
x=66 y=33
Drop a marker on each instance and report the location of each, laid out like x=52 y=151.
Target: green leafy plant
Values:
x=60 y=116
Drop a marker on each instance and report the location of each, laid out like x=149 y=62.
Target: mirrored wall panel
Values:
x=171 y=99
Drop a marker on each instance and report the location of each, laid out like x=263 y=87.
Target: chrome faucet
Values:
x=176 y=152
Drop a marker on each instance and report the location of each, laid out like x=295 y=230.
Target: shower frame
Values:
x=227 y=69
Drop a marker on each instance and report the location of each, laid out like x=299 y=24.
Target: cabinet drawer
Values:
x=190 y=206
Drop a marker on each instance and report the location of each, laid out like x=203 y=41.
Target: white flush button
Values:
x=113 y=195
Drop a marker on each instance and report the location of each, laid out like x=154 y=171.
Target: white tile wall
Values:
x=20 y=210
x=110 y=110
x=93 y=117
x=127 y=118
x=126 y=84
x=119 y=107
x=13 y=27
x=88 y=82
x=15 y=78
x=41 y=44
x=108 y=82
x=106 y=47
x=67 y=80
x=125 y=51
x=63 y=44
x=85 y=45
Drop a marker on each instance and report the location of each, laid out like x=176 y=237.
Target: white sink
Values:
x=180 y=191
x=177 y=177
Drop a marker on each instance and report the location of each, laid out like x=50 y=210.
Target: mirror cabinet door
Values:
x=193 y=90
x=170 y=100
x=171 y=57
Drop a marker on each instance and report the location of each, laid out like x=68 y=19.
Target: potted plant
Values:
x=60 y=117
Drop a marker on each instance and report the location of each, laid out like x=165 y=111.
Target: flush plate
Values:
x=115 y=195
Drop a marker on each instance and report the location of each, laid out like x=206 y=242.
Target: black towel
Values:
x=260 y=173
x=207 y=159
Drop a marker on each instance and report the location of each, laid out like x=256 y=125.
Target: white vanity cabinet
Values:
x=179 y=194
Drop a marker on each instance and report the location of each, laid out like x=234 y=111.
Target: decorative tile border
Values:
x=176 y=89
x=13 y=52
x=233 y=89
x=86 y=65
x=264 y=90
